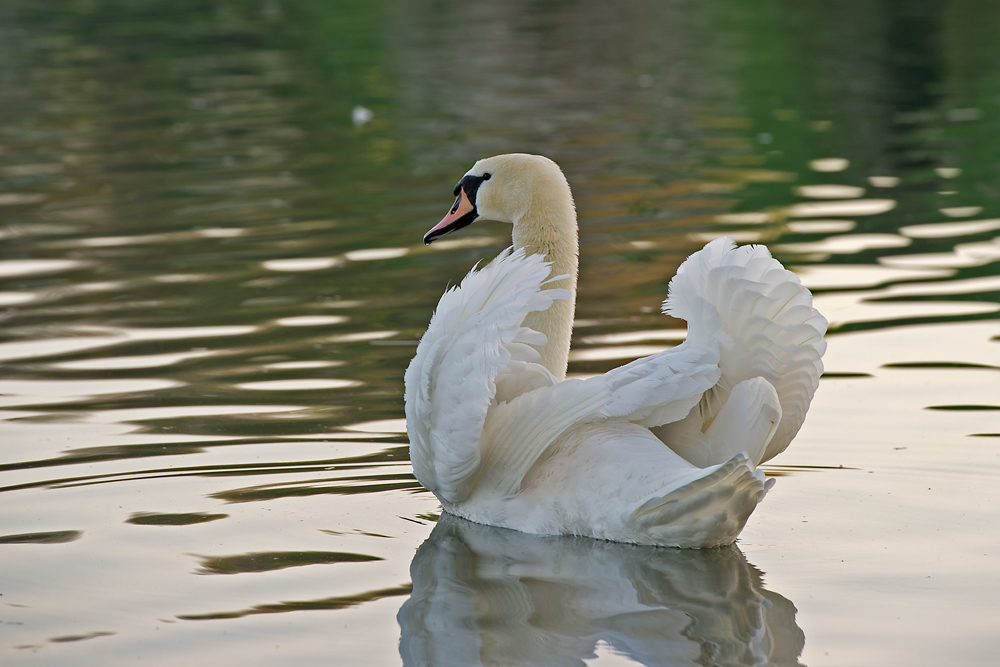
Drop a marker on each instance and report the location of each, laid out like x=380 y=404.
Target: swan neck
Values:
x=549 y=228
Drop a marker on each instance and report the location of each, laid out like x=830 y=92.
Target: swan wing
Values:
x=474 y=334
x=650 y=391
x=517 y=433
x=761 y=319
x=663 y=387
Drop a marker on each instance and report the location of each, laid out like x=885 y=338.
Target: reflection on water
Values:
x=484 y=595
x=212 y=278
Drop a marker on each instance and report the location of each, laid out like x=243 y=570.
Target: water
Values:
x=212 y=280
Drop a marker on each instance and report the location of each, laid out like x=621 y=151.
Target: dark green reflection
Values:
x=365 y=484
x=154 y=519
x=970 y=408
x=340 y=602
x=53 y=537
x=79 y=638
x=266 y=561
x=939 y=364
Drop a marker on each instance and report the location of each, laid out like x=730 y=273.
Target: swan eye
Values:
x=487 y=176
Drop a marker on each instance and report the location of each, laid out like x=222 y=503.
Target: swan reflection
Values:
x=490 y=596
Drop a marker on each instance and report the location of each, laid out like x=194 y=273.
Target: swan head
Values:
x=501 y=188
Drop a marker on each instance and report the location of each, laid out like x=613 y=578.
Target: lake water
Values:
x=212 y=280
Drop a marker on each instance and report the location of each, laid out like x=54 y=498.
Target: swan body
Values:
x=663 y=450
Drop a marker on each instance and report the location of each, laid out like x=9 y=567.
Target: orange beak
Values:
x=462 y=214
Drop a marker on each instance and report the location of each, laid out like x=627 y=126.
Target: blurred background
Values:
x=212 y=279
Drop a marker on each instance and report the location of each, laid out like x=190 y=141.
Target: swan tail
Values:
x=707 y=512
x=743 y=303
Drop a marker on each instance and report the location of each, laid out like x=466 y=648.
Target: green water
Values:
x=212 y=280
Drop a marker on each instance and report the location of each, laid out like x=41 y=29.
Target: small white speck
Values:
x=361 y=115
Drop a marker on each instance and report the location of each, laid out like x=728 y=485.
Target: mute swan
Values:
x=661 y=451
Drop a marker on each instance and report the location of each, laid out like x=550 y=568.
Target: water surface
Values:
x=212 y=280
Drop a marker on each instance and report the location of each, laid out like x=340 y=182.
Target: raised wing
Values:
x=474 y=335
x=762 y=321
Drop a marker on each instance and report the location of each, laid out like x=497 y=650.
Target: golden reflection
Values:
x=968 y=288
x=30 y=349
x=302 y=264
x=847 y=208
x=939 y=230
x=873 y=306
x=311 y=320
x=184 y=278
x=14 y=298
x=963 y=255
x=40 y=392
x=750 y=218
x=130 y=415
x=488 y=596
x=301 y=365
x=467 y=242
x=25 y=267
x=821 y=226
x=169 y=333
x=380 y=426
x=846 y=244
x=851 y=276
x=361 y=337
x=884 y=181
x=371 y=254
x=830 y=191
x=962 y=211
x=20 y=198
x=302 y=384
x=144 y=361
x=829 y=164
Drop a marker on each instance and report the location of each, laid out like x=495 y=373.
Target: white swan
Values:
x=663 y=450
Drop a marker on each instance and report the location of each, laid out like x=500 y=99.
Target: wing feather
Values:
x=473 y=335
x=663 y=387
x=517 y=433
x=764 y=324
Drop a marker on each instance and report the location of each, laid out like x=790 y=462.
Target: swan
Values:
x=661 y=451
